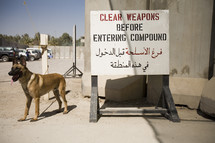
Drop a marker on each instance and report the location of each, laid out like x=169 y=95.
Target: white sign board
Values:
x=43 y=39
x=129 y=42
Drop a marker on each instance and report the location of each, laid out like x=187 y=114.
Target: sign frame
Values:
x=129 y=47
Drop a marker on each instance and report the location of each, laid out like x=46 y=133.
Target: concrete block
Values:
x=185 y=91
x=207 y=103
x=125 y=88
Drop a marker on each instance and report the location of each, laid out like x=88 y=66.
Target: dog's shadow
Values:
x=45 y=115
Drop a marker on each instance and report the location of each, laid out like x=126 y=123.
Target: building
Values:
x=190 y=40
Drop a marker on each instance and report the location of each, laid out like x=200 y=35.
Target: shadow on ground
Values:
x=55 y=112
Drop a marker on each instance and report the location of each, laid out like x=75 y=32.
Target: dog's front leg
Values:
x=37 y=102
x=27 y=107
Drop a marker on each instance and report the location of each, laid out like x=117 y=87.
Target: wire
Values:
x=31 y=20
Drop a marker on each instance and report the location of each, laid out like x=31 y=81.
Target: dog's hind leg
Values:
x=62 y=88
x=63 y=95
x=27 y=107
x=57 y=96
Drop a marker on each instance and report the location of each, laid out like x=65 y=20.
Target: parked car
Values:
x=8 y=53
x=22 y=52
x=34 y=54
x=49 y=53
x=39 y=53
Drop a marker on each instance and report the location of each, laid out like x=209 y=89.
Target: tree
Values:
x=65 y=40
x=36 y=40
x=26 y=39
x=17 y=38
x=53 y=41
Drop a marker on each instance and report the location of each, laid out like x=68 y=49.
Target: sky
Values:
x=53 y=17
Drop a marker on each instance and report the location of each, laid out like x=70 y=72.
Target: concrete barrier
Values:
x=125 y=88
x=66 y=52
x=207 y=103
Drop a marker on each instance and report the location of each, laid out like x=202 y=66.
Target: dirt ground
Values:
x=75 y=127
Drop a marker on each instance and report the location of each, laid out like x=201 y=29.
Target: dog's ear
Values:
x=15 y=61
x=23 y=61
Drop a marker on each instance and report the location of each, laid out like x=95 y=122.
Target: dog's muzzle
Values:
x=15 y=73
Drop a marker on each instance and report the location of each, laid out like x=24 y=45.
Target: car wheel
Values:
x=31 y=58
x=5 y=58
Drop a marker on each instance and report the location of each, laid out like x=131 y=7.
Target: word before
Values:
x=131 y=27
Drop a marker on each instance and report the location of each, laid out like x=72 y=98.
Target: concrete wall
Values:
x=102 y=82
x=190 y=34
x=190 y=31
x=207 y=104
x=66 y=52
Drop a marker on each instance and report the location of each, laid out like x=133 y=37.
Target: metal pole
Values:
x=212 y=47
x=74 y=48
x=73 y=68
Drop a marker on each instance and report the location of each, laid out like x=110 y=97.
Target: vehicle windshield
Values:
x=8 y=49
x=34 y=51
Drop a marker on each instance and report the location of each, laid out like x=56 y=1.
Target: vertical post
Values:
x=94 y=103
x=44 y=43
x=74 y=48
x=169 y=102
x=212 y=46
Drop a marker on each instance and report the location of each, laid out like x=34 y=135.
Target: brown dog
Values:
x=36 y=85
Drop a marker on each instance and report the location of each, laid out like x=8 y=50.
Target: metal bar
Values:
x=74 y=49
x=79 y=71
x=94 y=104
x=166 y=101
x=67 y=72
x=170 y=105
x=74 y=44
x=74 y=71
x=212 y=46
x=123 y=111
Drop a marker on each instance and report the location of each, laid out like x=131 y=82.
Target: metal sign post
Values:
x=94 y=103
x=165 y=106
x=74 y=67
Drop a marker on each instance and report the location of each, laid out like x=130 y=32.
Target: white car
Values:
x=22 y=52
x=34 y=54
x=49 y=53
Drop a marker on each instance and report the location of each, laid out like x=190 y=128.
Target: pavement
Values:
x=75 y=127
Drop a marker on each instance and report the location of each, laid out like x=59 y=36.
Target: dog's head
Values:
x=17 y=69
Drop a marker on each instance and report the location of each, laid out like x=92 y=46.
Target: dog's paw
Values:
x=20 y=120
x=65 y=112
x=33 y=120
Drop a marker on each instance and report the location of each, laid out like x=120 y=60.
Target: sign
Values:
x=43 y=39
x=129 y=42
